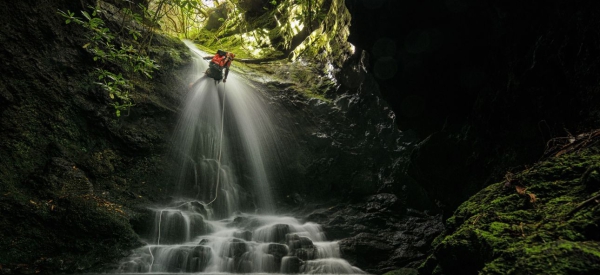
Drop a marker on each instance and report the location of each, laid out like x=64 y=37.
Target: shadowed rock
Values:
x=290 y=264
x=278 y=251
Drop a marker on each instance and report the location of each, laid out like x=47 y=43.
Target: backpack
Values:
x=215 y=71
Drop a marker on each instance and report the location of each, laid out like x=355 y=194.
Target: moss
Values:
x=499 y=231
x=498 y=228
x=561 y=257
x=244 y=45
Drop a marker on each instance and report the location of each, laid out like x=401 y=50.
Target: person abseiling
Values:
x=221 y=60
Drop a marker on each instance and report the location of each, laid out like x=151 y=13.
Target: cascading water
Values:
x=225 y=142
x=224 y=134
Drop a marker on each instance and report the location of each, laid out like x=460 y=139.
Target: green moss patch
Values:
x=536 y=224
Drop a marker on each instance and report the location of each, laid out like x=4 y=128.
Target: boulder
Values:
x=199 y=259
x=306 y=242
x=305 y=254
x=278 y=251
x=279 y=233
x=178 y=262
x=290 y=265
x=237 y=248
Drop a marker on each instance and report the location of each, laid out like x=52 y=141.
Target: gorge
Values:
x=399 y=137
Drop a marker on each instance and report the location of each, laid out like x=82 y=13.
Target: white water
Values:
x=194 y=234
x=248 y=135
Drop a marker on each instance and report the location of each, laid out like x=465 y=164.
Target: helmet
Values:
x=231 y=55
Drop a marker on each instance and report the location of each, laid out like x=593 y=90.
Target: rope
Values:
x=220 y=149
x=152 y=263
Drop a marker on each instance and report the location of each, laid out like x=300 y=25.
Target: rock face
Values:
x=377 y=234
x=69 y=167
x=347 y=146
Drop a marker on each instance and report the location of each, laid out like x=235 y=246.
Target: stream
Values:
x=224 y=219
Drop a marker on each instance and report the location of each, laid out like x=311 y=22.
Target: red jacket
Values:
x=221 y=60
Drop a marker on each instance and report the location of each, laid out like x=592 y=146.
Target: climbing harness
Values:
x=221 y=60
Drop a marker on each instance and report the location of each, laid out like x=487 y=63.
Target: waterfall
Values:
x=226 y=145
x=224 y=135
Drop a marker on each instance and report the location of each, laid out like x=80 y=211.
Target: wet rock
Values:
x=171 y=227
x=278 y=251
x=204 y=242
x=195 y=207
x=294 y=241
x=290 y=265
x=383 y=201
x=293 y=245
x=173 y=224
x=201 y=251
x=244 y=235
x=244 y=266
x=279 y=232
x=237 y=248
x=305 y=254
x=178 y=262
x=199 y=259
x=376 y=235
x=292 y=237
x=306 y=242
x=366 y=248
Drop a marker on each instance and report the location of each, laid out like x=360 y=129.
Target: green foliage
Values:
x=179 y=17
x=114 y=57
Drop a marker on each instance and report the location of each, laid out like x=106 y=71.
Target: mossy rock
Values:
x=560 y=257
x=536 y=224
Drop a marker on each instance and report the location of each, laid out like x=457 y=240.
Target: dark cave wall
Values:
x=489 y=82
x=71 y=172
